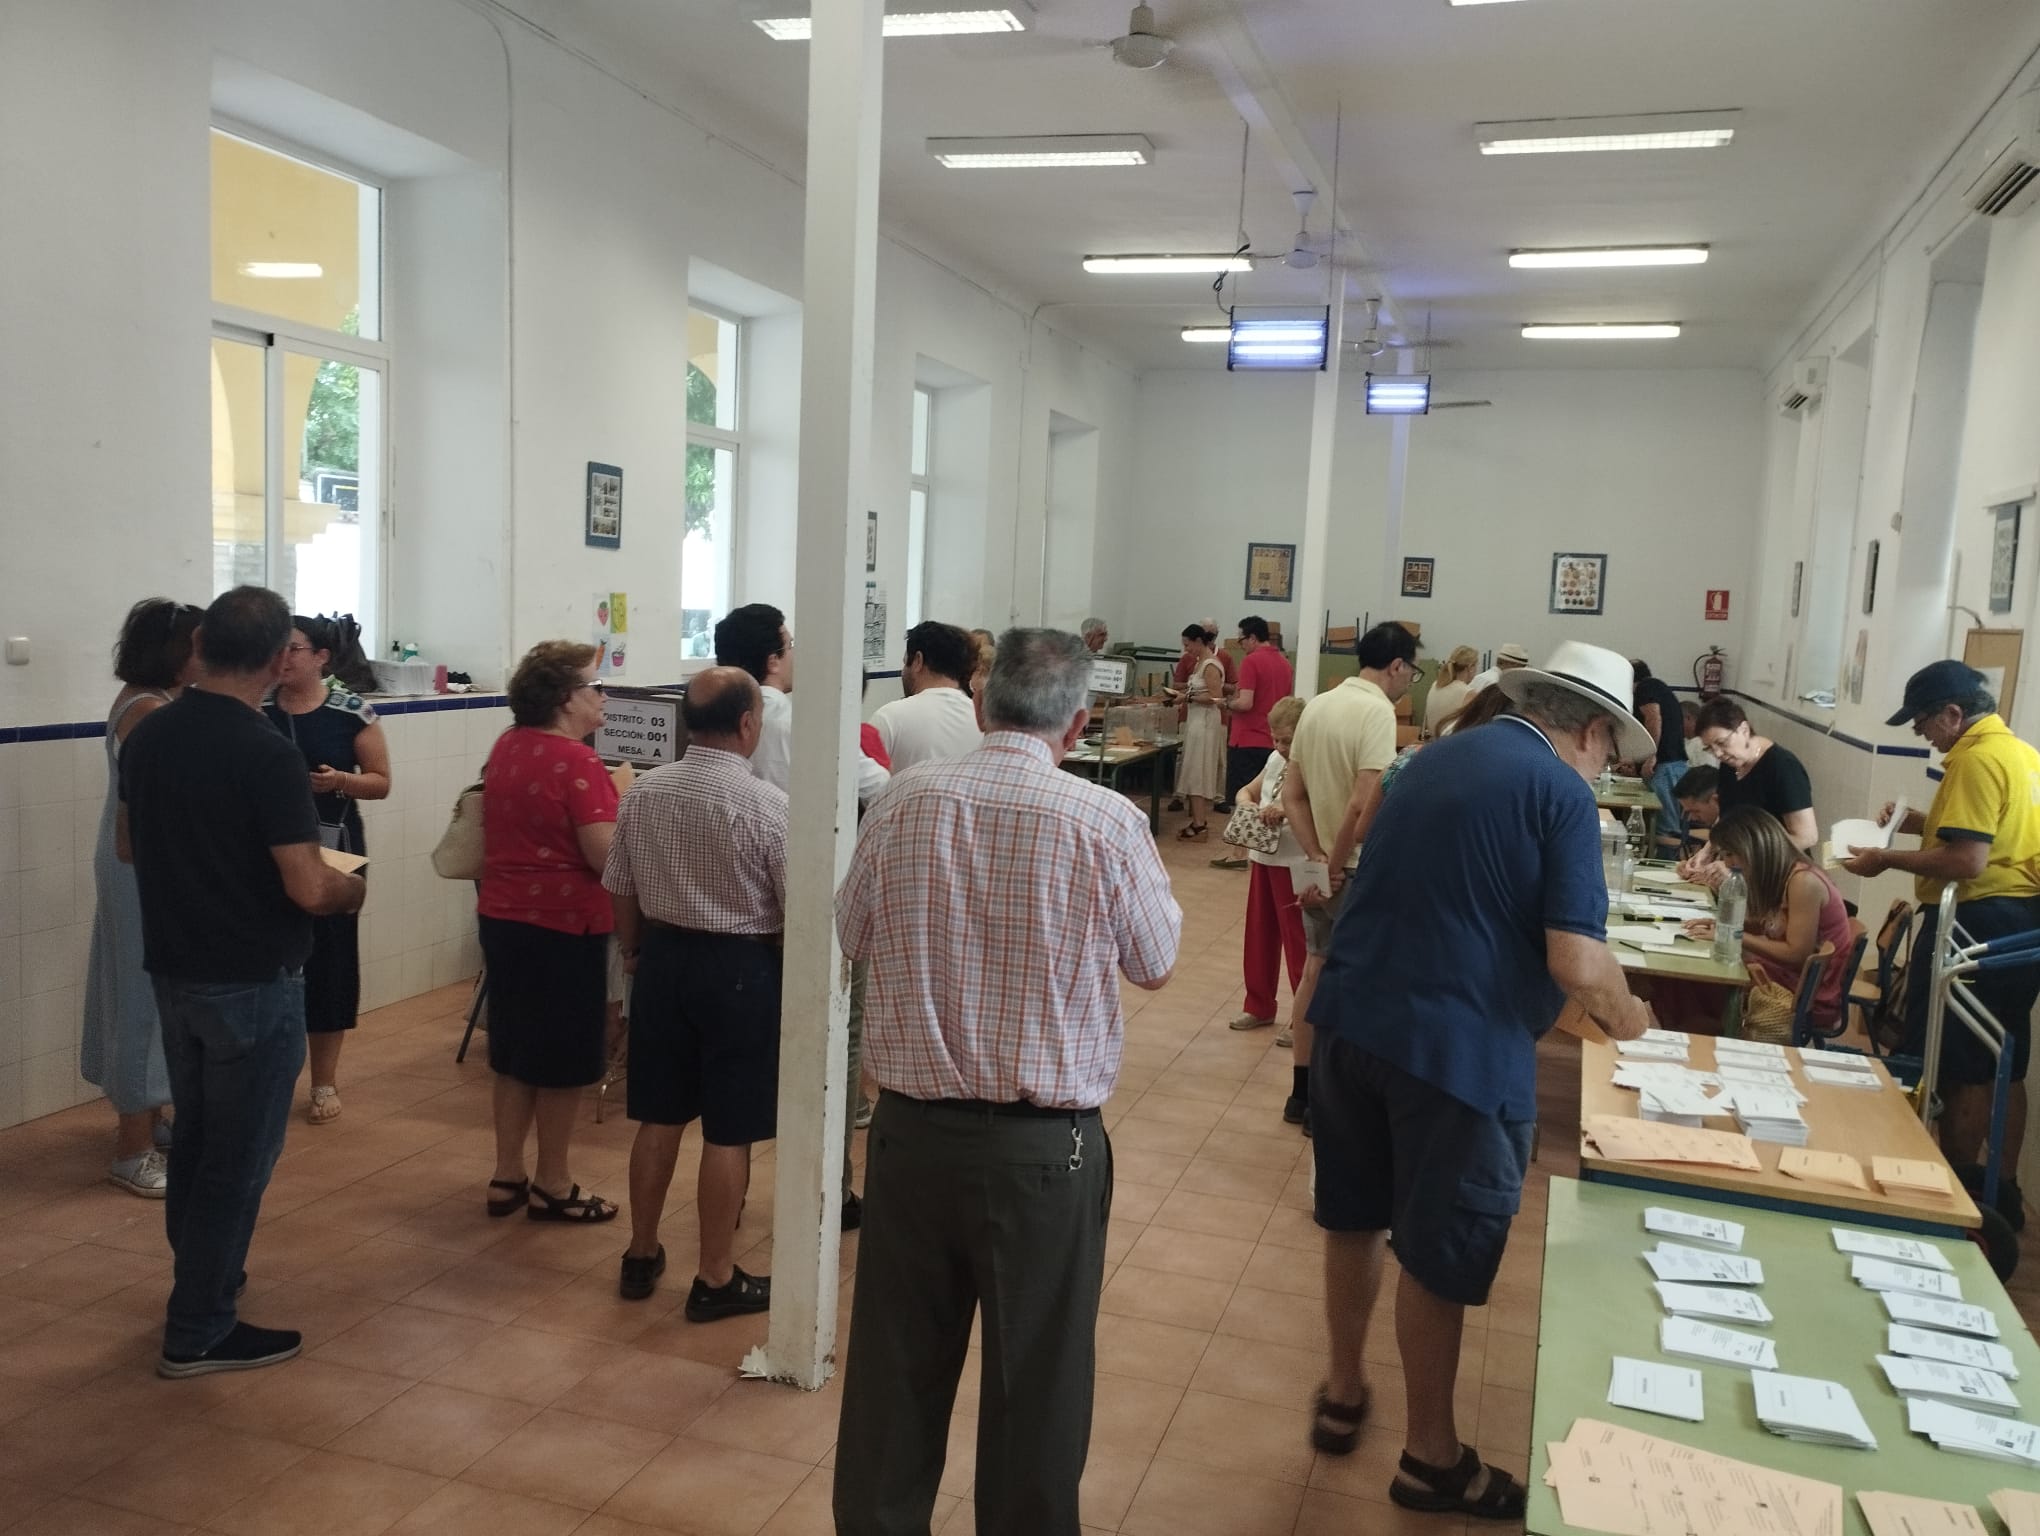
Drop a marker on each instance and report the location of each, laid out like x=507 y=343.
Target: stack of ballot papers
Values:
x=1654 y=1074
x=1886 y=1245
x=1969 y=1433
x=1682 y=1300
x=1932 y=1344
x=1621 y=1139
x=1702 y=1266
x=1613 y=1479
x=1884 y=1275
x=1861 y=832
x=1912 y=1176
x=1901 y=1514
x=1806 y=1408
x=1932 y=1312
x=1734 y=1074
x=1651 y=1050
x=1667 y=1222
x=1838 y=1077
x=1836 y=1168
x=1963 y=1385
x=1677 y=1103
x=1692 y=1340
x=1767 y=1115
x=1672 y=1390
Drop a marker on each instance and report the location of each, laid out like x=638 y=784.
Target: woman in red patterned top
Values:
x=548 y=812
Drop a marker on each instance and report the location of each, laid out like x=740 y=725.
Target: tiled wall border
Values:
x=92 y=729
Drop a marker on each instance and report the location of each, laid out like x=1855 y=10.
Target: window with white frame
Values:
x=714 y=448
x=918 y=469
x=300 y=373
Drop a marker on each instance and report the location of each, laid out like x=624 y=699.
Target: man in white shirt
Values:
x=755 y=638
x=1507 y=658
x=937 y=720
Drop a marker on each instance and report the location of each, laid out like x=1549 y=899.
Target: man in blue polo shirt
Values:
x=1477 y=910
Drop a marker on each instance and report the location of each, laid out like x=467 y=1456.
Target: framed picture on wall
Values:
x=1577 y=582
x=1417 y=571
x=1271 y=573
x=2004 y=555
x=604 y=529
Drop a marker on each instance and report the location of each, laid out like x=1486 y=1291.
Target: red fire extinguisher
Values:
x=1709 y=671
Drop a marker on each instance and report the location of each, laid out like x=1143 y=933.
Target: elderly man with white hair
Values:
x=1095 y=634
x=1477 y=909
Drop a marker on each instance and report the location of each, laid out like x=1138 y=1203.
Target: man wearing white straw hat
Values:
x=1508 y=658
x=1478 y=908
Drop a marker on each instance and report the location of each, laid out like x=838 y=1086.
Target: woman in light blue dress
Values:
x=122 y=1049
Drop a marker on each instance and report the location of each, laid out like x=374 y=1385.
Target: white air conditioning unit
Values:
x=2007 y=179
x=1803 y=385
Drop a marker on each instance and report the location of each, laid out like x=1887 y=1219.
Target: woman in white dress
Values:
x=1200 y=767
x=1449 y=690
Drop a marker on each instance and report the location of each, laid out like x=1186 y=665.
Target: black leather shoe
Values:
x=640 y=1277
x=853 y=1213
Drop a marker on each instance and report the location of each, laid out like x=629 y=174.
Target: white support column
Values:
x=845 y=82
x=1317 y=507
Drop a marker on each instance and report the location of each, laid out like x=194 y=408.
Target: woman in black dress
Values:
x=1756 y=771
x=348 y=759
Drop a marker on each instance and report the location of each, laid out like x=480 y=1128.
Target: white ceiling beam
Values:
x=1248 y=80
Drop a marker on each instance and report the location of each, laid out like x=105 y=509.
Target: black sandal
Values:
x=512 y=1203
x=1443 y=1489
x=1335 y=1427
x=572 y=1206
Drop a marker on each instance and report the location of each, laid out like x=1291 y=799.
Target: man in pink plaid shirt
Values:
x=997 y=900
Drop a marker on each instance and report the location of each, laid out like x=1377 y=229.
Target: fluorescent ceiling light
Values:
x=1613 y=256
x=1655 y=332
x=1398 y=394
x=958 y=23
x=1566 y=135
x=1057 y=152
x=1207 y=333
x=1221 y=261
x=1476 y=2
x=1284 y=339
x=298 y=269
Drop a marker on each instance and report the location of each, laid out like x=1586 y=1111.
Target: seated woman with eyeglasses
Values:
x=548 y=813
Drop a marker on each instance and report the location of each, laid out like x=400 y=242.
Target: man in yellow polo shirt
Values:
x=1982 y=833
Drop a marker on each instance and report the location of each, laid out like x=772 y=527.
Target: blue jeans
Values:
x=1671 y=821
x=234 y=1050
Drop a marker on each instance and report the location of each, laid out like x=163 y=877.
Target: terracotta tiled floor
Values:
x=466 y=1375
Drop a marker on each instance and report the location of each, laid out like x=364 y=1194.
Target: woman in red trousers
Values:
x=1274 y=921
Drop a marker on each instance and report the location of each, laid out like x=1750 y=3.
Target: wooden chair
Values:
x=1803 y=1028
x=1880 y=996
x=1341 y=640
x=1810 y=975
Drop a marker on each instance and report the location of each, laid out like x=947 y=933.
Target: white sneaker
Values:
x=147 y=1175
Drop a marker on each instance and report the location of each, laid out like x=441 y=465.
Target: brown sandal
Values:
x=1335 y=1427
x=572 y=1206
x=518 y=1197
x=1442 y=1490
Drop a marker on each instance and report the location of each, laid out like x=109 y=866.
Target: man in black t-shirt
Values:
x=217 y=818
x=1658 y=708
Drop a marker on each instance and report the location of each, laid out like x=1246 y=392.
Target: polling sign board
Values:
x=641 y=725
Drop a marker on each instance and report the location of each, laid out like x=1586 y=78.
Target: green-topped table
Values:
x=1598 y=1303
x=1105 y=765
x=1626 y=795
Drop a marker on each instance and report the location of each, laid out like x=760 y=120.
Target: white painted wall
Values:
x=1659 y=470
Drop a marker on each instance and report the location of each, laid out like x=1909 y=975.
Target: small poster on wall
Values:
x=1717 y=604
x=1416 y=575
x=1271 y=572
x=874 y=624
x=1577 y=582
x=604 y=528
x=2004 y=556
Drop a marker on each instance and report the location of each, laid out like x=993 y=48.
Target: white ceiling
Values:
x=1848 y=106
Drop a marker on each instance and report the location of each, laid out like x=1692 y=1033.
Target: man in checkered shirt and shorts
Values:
x=997 y=900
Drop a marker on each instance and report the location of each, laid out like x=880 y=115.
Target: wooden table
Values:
x=1694 y=962
x=1598 y=1303
x=1852 y=1120
x=1105 y=765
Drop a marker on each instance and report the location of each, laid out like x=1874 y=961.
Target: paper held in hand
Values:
x=1622 y=1140
x=346 y=863
x=1860 y=832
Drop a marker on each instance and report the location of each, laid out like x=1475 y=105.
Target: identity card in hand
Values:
x=1900 y=1250
x=1932 y=1344
x=1675 y=1261
x=1673 y=1390
x=1706 y=1229
x=1883 y=1275
x=1710 y=1341
x=1933 y=1312
x=1711 y=1301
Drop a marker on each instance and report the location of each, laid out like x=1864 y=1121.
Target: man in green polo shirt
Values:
x=1983 y=834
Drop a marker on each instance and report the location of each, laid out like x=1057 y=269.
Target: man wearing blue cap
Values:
x=1983 y=833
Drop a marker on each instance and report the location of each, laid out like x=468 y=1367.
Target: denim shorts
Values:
x=1396 y=1154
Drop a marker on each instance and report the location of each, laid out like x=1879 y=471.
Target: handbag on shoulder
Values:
x=459 y=854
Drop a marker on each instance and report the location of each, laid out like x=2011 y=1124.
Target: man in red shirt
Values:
x=1265 y=676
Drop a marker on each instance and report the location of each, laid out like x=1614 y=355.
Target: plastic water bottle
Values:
x=1729 y=907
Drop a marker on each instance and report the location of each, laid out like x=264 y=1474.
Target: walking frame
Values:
x=1956 y=958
